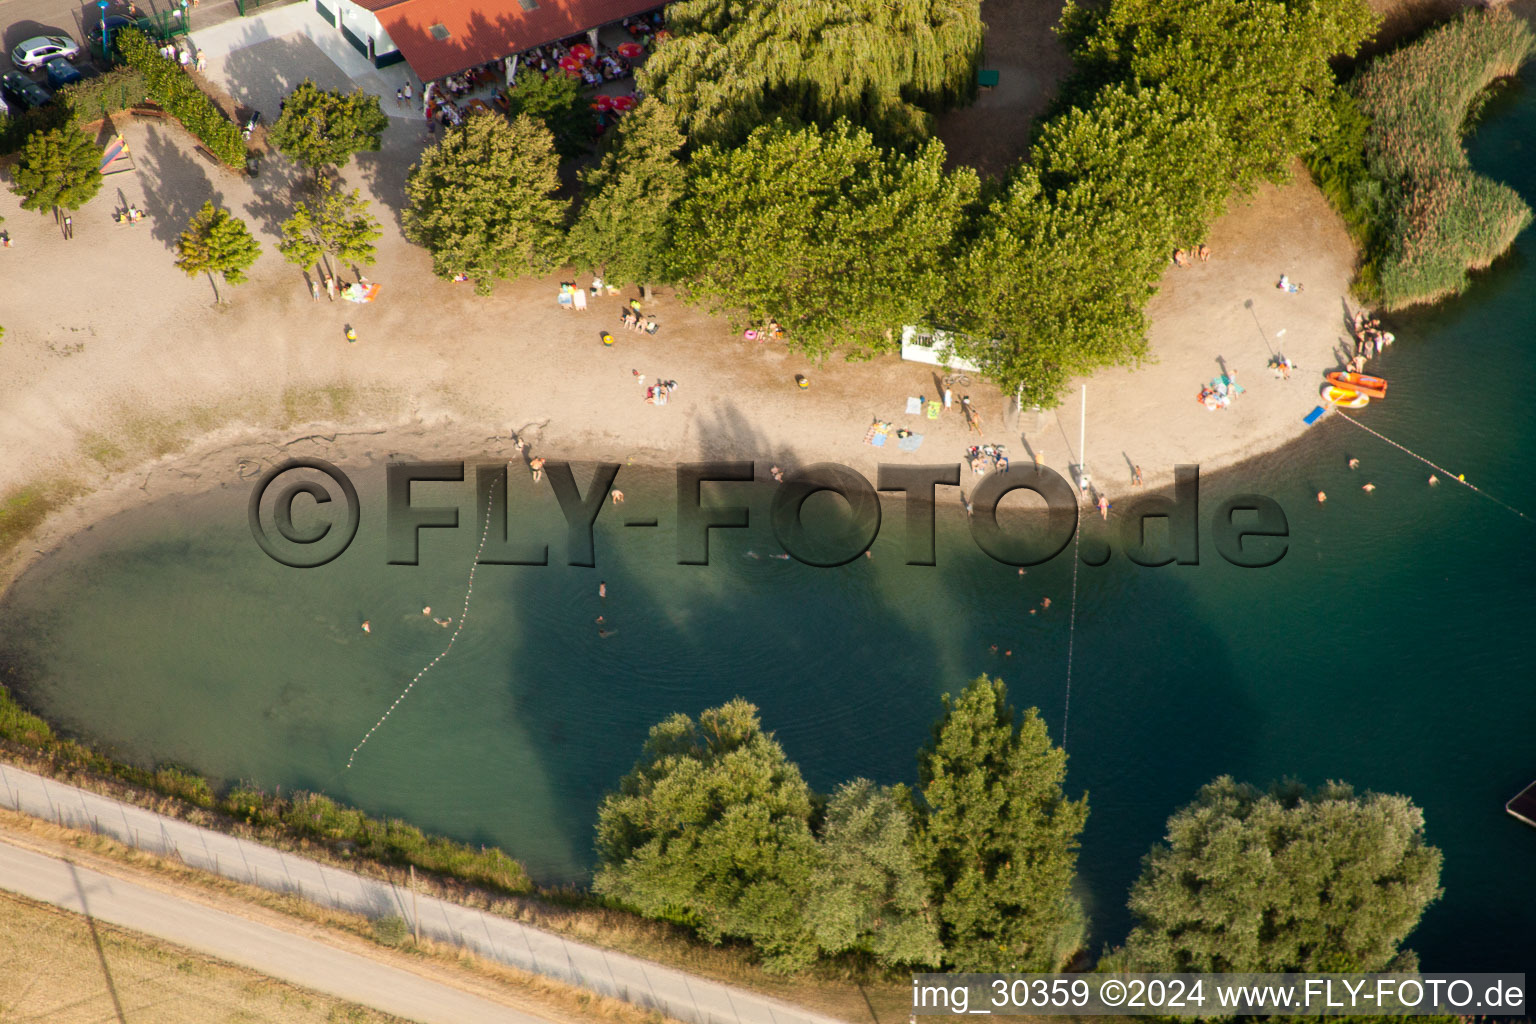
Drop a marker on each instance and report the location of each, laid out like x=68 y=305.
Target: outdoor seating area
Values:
x=604 y=68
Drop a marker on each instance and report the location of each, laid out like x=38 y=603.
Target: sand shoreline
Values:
x=123 y=381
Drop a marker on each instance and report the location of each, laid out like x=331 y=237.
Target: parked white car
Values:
x=31 y=54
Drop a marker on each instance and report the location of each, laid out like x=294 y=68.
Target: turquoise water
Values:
x=1390 y=648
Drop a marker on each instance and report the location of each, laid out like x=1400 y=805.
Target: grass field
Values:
x=61 y=967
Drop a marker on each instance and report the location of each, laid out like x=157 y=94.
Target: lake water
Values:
x=1390 y=648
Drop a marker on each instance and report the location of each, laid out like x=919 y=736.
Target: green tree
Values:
x=482 y=201
x=1290 y=880
x=217 y=242
x=880 y=63
x=321 y=129
x=1048 y=291
x=626 y=220
x=57 y=168
x=999 y=840
x=711 y=830
x=822 y=230
x=1259 y=68
x=559 y=102
x=1055 y=280
x=336 y=224
x=869 y=892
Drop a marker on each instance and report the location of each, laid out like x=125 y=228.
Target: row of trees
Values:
x=715 y=828
x=973 y=870
x=806 y=188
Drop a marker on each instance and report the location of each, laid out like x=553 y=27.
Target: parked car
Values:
x=60 y=73
x=31 y=54
x=115 y=24
x=25 y=92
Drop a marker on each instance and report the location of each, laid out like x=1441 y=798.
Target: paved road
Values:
x=269 y=950
x=645 y=984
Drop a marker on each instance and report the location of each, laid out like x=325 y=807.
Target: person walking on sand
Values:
x=69 y=227
x=330 y=287
x=314 y=290
x=1136 y=475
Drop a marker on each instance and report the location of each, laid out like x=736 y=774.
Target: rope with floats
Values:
x=463 y=615
x=1457 y=477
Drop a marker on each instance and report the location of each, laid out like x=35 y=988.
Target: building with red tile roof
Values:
x=443 y=37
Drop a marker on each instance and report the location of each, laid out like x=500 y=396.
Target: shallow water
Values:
x=1390 y=648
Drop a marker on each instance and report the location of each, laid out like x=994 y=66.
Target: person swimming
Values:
x=602 y=590
x=1433 y=480
x=604 y=634
x=427 y=611
x=445 y=623
x=367 y=626
x=781 y=557
x=1354 y=463
x=1368 y=487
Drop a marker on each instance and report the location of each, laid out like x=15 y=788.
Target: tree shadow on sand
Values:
x=175 y=184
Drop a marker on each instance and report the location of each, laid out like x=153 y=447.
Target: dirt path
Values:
x=237 y=939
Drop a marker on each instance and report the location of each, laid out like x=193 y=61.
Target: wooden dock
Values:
x=1523 y=805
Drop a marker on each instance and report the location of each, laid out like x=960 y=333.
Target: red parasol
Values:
x=630 y=49
x=581 y=51
x=570 y=63
x=603 y=102
x=623 y=104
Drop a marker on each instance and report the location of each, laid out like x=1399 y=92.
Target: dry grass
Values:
x=451 y=965
x=24 y=509
x=61 y=967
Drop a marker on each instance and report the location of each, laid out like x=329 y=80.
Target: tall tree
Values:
x=1000 y=838
x=559 y=102
x=58 y=168
x=1258 y=67
x=1054 y=282
x=323 y=129
x=217 y=242
x=1290 y=880
x=881 y=63
x=336 y=224
x=483 y=201
x=626 y=219
x=821 y=230
x=869 y=892
x=711 y=829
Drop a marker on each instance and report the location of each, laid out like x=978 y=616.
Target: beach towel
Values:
x=1313 y=416
x=933 y=410
x=581 y=298
x=878 y=440
x=914 y=406
x=910 y=443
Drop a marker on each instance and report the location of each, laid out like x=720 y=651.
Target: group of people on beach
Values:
x=1370 y=339
x=987 y=457
x=1181 y=258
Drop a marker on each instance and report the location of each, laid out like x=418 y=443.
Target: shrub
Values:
x=185 y=785
x=391 y=931
x=106 y=94
x=169 y=85
x=1436 y=216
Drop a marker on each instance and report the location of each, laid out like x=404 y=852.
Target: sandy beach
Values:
x=123 y=381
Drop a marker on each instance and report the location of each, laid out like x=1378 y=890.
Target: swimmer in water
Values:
x=618 y=497
x=1021 y=572
x=445 y=623
x=602 y=590
x=783 y=557
x=1368 y=487
x=994 y=648
x=367 y=627
x=752 y=554
x=867 y=554
x=427 y=611
x=604 y=634
x=600 y=620
x=1045 y=602
x=1433 y=480
x=1321 y=497
x=1354 y=463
